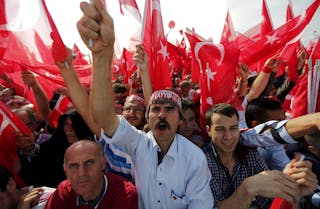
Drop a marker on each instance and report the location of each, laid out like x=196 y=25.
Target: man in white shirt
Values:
x=170 y=172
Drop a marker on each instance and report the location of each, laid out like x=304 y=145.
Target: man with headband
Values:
x=134 y=111
x=169 y=170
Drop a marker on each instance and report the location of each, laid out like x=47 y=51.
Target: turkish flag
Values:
x=155 y=44
x=194 y=38
x=217 y=64
x=132 y=7
x=28 y=34
x=269 y=44
x=228 y=33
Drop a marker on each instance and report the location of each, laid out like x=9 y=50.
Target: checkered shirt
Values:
x=223 y=185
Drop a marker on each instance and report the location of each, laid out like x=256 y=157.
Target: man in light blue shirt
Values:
x=170 y=171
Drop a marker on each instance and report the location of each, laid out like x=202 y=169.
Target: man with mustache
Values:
x=170 y=172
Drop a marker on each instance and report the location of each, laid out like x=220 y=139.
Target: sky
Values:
x=205 y=16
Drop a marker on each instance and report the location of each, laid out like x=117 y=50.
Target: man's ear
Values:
x=208 y=130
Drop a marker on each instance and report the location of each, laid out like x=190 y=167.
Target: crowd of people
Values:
x=122 y=146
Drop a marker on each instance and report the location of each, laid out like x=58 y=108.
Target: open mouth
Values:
x=162 y=125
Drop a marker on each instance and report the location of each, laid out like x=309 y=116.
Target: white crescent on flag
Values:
x=199 y=45
x=21 y=15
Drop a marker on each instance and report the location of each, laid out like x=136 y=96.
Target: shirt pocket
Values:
x=178 y=201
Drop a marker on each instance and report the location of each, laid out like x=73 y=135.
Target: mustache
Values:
x=163 y=123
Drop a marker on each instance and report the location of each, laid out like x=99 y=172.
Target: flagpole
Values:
x=309 y=86
x=142 y=30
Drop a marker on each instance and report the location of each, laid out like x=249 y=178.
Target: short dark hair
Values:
x=221 y=108
x=5 y=176
x=256 y=109
x=187 y=104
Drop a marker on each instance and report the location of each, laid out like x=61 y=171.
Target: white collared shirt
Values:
x=180 y=181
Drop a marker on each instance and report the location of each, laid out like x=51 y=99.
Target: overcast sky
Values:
x=206 y=16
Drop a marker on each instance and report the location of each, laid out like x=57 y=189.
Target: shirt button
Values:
x=158 y=201
x=160 y=184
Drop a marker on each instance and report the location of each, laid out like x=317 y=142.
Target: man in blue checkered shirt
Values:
x=240 y=177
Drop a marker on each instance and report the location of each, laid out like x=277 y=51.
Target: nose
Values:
x=81 y=170
x=162 y=113
x=227 y=134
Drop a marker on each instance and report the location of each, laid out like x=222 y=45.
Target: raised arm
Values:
x=141 y=58
x=41 y=98
x=97 y=25
x=78 y=94
x=261 y=82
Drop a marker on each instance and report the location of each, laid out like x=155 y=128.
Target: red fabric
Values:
x=35 y=42
x=228 y=33
x=289 y=54
x=313 y=49
x=217 y=64
x=268 y=45
x=289 y=12
x=79 y=59
x=193 y=39
x=120 y=194
x=132 y=7
x=155 y=44
x=62 y=106
x=279 y=203
x=299 y=102
x=266 y=25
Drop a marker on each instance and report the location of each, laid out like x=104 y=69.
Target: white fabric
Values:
x=180 y=181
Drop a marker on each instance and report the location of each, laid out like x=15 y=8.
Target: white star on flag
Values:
x=210 y=75
x=209 y=101
x=163 y=51
x=272 y=39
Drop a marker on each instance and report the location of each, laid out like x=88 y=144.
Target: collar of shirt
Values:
x=173 y=149
x=94 y=203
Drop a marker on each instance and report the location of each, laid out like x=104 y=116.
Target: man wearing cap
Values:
x=134 y=111
x=170 y=172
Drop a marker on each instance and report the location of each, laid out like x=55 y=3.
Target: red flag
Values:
x=132 y=7
x=289 y=12
x=299 y=100
x=32 y=38
x=289 y=55
x=194 y=38
x=266 y=24
x=277 y=39
x=155 y=43
x=217 y=64
x=62 y=106
x=77 y=57
x=228 y=33
x=313 y=49
x=280 y=203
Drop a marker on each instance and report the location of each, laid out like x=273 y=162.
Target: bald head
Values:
x=84 y=164
x=83 y=146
